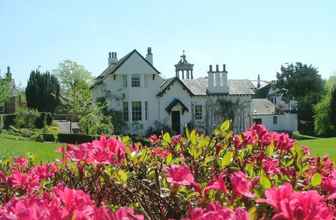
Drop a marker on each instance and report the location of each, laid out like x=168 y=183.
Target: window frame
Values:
x=124 y=82
x=135 y=81
x=275 y=119
x=136 y=111
x=125 y=111
x=146 y=111
x=198 y=112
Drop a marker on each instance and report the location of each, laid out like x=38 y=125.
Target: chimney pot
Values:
x=210 y=68
x=149 y=55
x=224 y=68
x=217 y=68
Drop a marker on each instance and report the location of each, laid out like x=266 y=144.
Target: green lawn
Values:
x=42 y=151
x=9 y=146
x=321 y=146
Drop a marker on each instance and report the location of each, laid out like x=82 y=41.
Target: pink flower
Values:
x=217 y=184
x=161 y=153
x=126 y=214
x=153 y=139
x=282 y=141
x=176 y=139
x=24 y=181
x=180 y=175
x=241 y=185
x=44 y=171
x=276 y=195
x=290 y=205
x=216 y=211
x=329 y=182
x=102 y=151
x=21 y=162
x=271 y=166
x=237 y=141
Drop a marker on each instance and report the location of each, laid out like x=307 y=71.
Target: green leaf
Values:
x=316 y=179
x=193 y=137
x=122 y=176
x=269 y=150
x=166 y=138
x=226 y=160
x=169 y=159
x=249 y=169
x=252 y=212
x=265 y=182
x=225 y=126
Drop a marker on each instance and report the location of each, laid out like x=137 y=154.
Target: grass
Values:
x=11 y=146
x=14 y=146
x=321 y=146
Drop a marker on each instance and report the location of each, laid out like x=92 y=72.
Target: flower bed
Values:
x=255 y=175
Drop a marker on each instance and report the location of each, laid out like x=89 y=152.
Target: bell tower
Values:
x=184 y=68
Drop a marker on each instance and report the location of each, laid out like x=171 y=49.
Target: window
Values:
x=198 y=112
x=124 y=77
x=275 y=120
x=135 y=81
x=146 y=110
x=125 y=111
x=136 y=111
x=257 y=121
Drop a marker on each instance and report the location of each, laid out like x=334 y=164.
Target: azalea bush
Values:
x=253 y=175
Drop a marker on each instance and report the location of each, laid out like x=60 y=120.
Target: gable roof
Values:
x=167 y=83
x=199 y=87
x=174 y=103
x=113 y=68
x=262 y=107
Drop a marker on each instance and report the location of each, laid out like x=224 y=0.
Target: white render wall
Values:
x=176 y=91
x=114 y=92
x=286 y=122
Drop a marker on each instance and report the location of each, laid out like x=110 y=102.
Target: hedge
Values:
x=75 y=138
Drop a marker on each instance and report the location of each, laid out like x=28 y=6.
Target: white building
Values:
x=133 y=86
x=265 y=112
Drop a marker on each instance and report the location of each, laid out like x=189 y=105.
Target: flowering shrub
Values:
x=254 y=175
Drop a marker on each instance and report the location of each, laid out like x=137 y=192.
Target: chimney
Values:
x=224 y=68
x=210 y=68
x=258 y=81
x=112 y=58
x=149 y=55
x=217 y=68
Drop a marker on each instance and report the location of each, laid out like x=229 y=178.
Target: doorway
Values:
x=176 y=121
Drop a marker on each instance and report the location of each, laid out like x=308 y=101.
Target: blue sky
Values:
x=251 y=37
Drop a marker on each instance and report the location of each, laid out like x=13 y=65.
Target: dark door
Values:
x=176 y=121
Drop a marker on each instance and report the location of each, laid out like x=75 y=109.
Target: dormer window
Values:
x=135 y=81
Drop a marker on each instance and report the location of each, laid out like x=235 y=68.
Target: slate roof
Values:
x=112 y=68
x=262 y=107
x=176 y=102
x=263 y=83
x=199 y=86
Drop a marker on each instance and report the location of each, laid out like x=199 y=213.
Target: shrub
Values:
x=75 y=138
x=254 y=175
x=26 y=118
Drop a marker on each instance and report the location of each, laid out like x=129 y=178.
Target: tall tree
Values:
x=69 y=73
x=42 y=91
x=75 y=83
x=4 y=89
x=303 y=83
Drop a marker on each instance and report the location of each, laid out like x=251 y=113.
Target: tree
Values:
x=75 y=83
x=42 y=91
x=95 y=122
x=302 y=83
x=325 y=110
x=4 y=88
x=69 y=73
